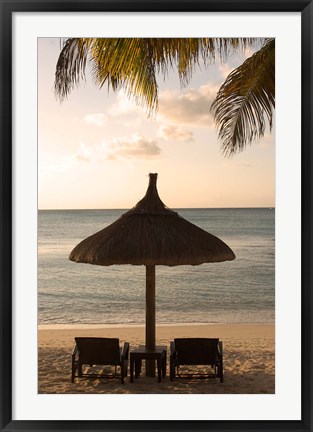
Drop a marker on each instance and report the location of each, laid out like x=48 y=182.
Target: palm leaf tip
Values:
x=245 y=103
x=70 y=67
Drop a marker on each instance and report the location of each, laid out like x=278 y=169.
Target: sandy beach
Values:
x=249 y=359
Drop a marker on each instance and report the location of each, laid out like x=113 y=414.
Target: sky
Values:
x=96 y=148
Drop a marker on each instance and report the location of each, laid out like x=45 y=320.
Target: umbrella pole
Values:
x=150 y=316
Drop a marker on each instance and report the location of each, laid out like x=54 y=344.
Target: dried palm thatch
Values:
x=151 y=234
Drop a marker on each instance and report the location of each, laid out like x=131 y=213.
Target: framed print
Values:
x=156 y=215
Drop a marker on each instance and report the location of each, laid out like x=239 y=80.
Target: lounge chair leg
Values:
x=172 y=372
x=80 y=370
x=73 y=370
x=137 y=368
x=131 y=370
x=122 y=374
x=221 y=373
x=164 y=364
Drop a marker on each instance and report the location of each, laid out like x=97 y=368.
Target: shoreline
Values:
x=78 y=326
x=63 y=337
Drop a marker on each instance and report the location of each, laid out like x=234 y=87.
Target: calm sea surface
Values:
x=239 y=291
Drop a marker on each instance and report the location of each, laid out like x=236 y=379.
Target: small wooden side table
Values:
x=142 y=353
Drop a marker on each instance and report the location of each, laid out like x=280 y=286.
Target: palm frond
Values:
x=245 y=103
x=70 y=67
x=133 y=63
x=186 y=53
x=126 y=63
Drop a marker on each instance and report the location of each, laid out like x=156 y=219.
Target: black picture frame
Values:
x=8 y=7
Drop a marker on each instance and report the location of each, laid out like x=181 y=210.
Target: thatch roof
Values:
x=151 y=234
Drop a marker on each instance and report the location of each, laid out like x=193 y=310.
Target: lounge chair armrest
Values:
x=172 y=349
x=75 y=352
x=220 y=348
x=125 y=351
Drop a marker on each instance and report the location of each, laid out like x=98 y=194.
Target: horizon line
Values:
x=174 y=208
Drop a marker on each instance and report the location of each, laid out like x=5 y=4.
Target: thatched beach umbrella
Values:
x=151 y=234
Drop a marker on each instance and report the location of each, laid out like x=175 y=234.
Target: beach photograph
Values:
x=156 y=215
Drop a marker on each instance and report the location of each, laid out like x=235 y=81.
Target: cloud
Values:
x=83 y=154
x=123 y=105
x=82 y=158
x=175 y=133
x=126 y=112
x=191 y=107
x=96 y=119
x=249 y=51
x=225 y=69
x=134 y=147
x=235 y=60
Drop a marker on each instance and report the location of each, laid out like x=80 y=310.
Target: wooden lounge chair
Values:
x=197 y=351
x=99 y=351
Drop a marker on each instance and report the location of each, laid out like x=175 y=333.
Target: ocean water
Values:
x=239 y=291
